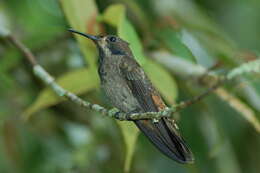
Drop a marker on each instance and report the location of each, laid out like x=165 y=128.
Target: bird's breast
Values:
x=116 y=88
x=108 y=71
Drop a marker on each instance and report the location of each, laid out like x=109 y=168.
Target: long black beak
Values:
x=92 y=37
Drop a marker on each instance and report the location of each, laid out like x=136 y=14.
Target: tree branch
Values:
x=40 y=72
x=22 y=48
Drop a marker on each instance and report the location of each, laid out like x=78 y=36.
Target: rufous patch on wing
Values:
x=158 y=102
x=148 y=123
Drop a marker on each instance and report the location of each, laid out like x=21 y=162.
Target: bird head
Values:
x=109 y=44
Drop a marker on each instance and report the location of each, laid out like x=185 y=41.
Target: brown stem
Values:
x=24 y=50
x=196 y=99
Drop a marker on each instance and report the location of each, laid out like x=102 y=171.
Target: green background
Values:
x=42 y=133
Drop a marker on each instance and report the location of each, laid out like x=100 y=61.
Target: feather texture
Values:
x=163 y=134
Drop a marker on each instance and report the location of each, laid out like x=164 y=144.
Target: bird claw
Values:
x=118 y=115
x=124 y=116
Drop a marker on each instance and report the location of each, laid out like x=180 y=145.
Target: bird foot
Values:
x=125 y=116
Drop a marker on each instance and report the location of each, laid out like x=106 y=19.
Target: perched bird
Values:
x=129 y=90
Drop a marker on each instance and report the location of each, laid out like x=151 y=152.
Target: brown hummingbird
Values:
x=129 y=90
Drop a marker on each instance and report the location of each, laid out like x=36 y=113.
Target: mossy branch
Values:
x=42 y=74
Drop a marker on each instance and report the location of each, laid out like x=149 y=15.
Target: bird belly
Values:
x=120 y=94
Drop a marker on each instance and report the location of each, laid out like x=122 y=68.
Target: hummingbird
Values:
x=129 y=89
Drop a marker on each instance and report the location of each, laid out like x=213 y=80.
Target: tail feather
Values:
x=166 y=138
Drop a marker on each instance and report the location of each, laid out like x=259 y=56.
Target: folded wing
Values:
x=163 y=133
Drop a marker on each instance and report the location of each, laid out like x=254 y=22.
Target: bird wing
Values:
x=163 y=134
x=139 y=84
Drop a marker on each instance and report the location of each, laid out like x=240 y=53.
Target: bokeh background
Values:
x=42 y=133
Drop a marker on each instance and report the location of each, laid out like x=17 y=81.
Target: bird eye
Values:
x=112 y=39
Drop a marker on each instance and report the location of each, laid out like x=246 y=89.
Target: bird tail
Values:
x=165 y=136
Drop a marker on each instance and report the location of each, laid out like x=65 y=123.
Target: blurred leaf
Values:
x=202 y=56
x=219 y=144
x=201 y=25
x=162 y=80
x=125 y=30
x=114 y=15
x=189 y=13
x=250 y=67
x=10 y=60
x=250 y=89
x=220 y=47
x=246 y=111
x=43 y=23
x=78 y=82
x=130 y=134
x=173 y=41
x=4 y=24
x=6 y=81
x=177 y=65
x=81 y=15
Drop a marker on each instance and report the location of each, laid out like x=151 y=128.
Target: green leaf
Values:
x=201 y=25
x=218 y=143
x=220 y=47
x=130 y=134
x=249 y=67
x=115 y=16
x=245 y=111
x=250 y=90
x=202 y=56
x=172 y=40
x=78 y=82
x=7 y=81
x=127 y=32
x=4 y=25
x=81 y=15
x=190 y=14
x=162 y=80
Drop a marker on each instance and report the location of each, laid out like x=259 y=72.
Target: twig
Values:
x=201 y=96
x=24 y=50
x=40 y=72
